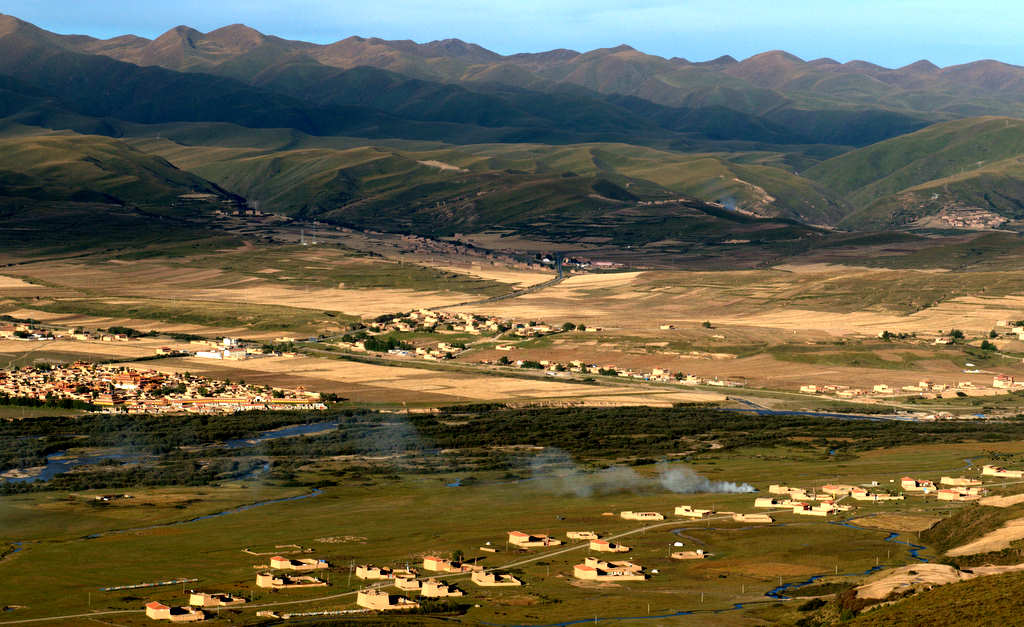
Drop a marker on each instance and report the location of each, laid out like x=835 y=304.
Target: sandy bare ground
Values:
x=9 y=282
x=992 y=541
x=898 y=522
x=973 y=314
x=104 y=322
x=362 y=302
x=500 y=274
x=337 y=374
x=1002 y=501
x=107 y=350
x=441 y=165
x=821 y=268
x=633 y=301
x=761 y=370
x=886 y=582
x=164 y=281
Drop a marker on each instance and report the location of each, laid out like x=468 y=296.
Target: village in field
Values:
x=651 y=443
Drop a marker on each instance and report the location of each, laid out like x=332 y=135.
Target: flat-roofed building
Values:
x=607 y=547
x=594 y=569
x=531 y=541
x=202 y=599
x=158 y=611
x=493 y=580
x=689 y=511
x=435 y=589
x=643 y=516
x=382 y=601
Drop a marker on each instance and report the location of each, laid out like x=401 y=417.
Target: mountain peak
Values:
x=924 y=65
x=236 y=35
x=774 y=56
x=725 y=59
x=622 y=48
x=179 y=33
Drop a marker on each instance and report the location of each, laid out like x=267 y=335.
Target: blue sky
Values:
x=888 y=32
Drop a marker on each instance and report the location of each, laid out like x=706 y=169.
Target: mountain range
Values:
x=448 y=136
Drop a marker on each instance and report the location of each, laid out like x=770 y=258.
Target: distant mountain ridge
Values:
x=342 y=131
x=619 y=70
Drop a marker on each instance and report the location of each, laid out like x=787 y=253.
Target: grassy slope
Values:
x=973 y=161
x=297 y=174
x=90 y=168
x=984 y=601
x=63 y=192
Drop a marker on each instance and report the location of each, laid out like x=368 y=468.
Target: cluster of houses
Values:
x=1001 y=384
x=825 y=502
x=125 y=390
x=822 y=502
x=282 y=581
x=34 y=332
x=226 y=348
x=655 y=375
x=408 y=580
x=194 y=610
x=427 y=320
x=970 y=218
x=25 y=332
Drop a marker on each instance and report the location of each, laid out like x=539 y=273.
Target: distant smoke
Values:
x=729 y=203
x=683 y=480
x=555 y=472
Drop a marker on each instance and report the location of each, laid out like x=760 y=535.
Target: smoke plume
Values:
x=556 y=472
x=683 y=480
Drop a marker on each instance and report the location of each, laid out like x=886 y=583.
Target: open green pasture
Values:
x=398 y=519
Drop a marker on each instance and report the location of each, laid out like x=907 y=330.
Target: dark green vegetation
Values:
x=182 y=450
x=446 y=137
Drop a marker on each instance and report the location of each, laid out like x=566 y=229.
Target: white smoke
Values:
x=683 y=480
x=556 y=472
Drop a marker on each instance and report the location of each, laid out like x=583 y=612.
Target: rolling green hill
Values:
x=958 y=165
x=89 y=168
x=61 y=192
x=303 y=175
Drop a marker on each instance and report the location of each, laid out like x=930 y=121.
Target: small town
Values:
x=119 y=389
